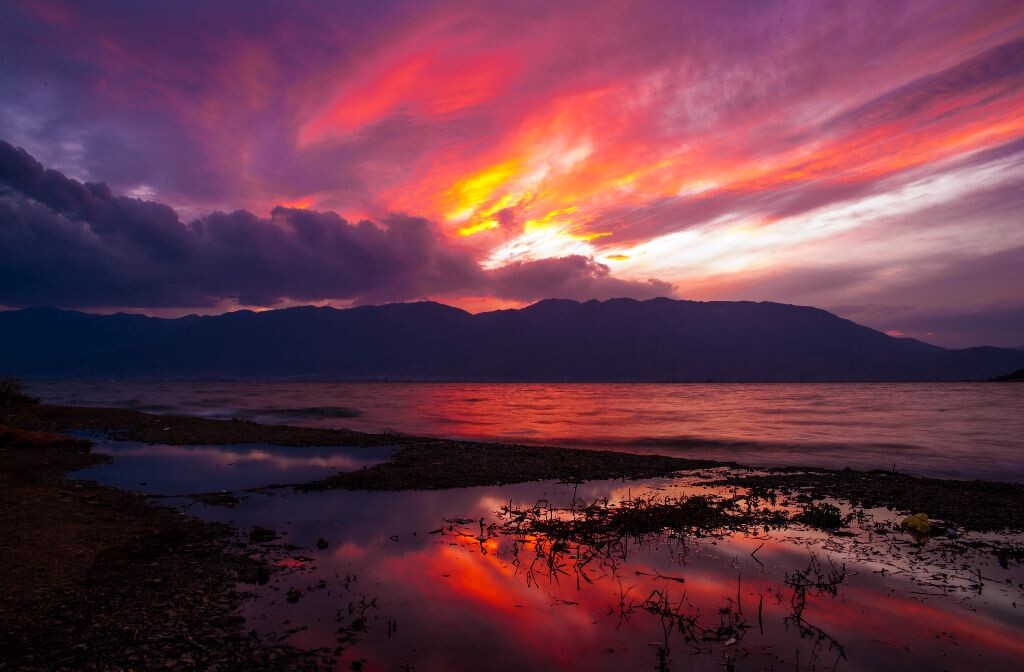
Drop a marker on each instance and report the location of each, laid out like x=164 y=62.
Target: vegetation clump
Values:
x=641 y=517
x=822 y=516
x=978 y=506
x=12 y=393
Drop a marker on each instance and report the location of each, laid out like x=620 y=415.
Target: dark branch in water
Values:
x=816 y=581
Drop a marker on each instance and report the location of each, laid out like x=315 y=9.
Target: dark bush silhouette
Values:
x=12 y=392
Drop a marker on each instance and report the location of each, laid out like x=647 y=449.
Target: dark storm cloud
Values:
x=66 y=243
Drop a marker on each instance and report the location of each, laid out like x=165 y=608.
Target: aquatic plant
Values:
x=598 y=523
x=823 y=516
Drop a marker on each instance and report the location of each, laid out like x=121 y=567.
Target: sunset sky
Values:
x=864 y=157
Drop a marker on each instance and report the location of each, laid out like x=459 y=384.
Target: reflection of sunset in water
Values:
x=955 y=430
x=174 y=470
x=464 y=594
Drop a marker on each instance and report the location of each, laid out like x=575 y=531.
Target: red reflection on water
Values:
x=514 y=602
x=952 y=429
x=463 y=591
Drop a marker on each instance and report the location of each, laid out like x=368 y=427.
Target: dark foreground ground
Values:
x=96 y=578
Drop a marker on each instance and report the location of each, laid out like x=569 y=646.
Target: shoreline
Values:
x=425 y=463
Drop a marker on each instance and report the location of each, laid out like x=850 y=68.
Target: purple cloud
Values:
x=71 y=244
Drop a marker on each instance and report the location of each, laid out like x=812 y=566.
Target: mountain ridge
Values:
x=552 y=340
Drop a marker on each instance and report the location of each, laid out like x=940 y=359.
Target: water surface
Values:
x=966 y=430
x=178 y=470
x=430 y=581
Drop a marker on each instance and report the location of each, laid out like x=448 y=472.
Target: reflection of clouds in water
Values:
x=270 y=456
x=172 y=470
x=461 y=601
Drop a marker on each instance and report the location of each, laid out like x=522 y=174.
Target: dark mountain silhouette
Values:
x=553 y=340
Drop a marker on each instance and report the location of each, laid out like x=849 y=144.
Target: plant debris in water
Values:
x=601 y=522
x=823 y=516
x=981 y=506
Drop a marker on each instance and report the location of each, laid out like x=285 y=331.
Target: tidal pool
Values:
x=179 y=470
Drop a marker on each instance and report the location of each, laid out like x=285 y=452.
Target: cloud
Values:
x=740 y=150
x=66 y=243
x=991 y=75
x=573 y=277
x=952 y=299
x=998 y=323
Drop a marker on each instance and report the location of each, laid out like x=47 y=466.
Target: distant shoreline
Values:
x=209 y=378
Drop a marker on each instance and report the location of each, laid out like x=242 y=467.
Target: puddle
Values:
x=174 y=470
x=430 y=581
x=453 y=580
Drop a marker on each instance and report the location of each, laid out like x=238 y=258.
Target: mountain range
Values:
x=553 y=340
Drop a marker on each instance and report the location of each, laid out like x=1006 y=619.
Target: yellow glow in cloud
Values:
x=477 y=228
x=550 y=220
x=468 y=195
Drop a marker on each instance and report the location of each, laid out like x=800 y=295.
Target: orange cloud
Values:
x=428 y=83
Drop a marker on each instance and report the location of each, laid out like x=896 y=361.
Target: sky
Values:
x=864 y=157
